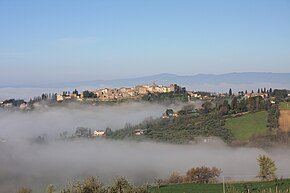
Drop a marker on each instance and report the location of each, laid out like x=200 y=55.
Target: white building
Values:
x=139 y=132
x=99 y=133
x=23 y=106
x=59 y=98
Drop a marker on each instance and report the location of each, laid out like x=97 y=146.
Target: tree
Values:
x=64 y=135
x=82 y=132
x=207 y=106
x=230 y=92
x=267 y=168
x=50 y=188
x=242 y=105
x=24 y=190
x=88 y=94
x=89 y=185
x=121 y=185
x=108 y=131
x=175 y=178
x=223 y=110
x=271 y=90
x=251 y=104
x=190 y=108
x=202 y=174
x=234 y=103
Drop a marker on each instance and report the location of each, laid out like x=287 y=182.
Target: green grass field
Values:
x=284 y=106
x=218 y=188
x=246 y=125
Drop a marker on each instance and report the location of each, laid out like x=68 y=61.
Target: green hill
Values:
x=245 y=126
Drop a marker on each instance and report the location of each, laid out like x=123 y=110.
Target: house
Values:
x=99 y=133
x=59 y=98
x=249 y=95
x=194 y=95
x=8 y=105
x=23 y=106
x=142 y=90
x=202 y=139
x=138 y=132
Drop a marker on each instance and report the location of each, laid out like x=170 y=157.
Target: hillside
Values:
x=180 y=130
x=245 y=126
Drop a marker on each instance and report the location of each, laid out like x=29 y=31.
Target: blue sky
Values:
x=52 y=41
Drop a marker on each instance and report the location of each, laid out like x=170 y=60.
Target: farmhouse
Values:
x=99 y=133
x=138 y=132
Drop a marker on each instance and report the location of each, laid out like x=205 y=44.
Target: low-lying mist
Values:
x=57 y=162
x=23 y=163
x=54 y=120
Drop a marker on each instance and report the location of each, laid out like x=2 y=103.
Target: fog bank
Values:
x=23 y=163
x=54 y=120
x=57 y=162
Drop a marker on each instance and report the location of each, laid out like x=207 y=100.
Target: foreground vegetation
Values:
x=121 y=185
x=239 y=187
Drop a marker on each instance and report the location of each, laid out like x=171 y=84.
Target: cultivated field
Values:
x=245 y=126
x=284 y=120
x=254 y=187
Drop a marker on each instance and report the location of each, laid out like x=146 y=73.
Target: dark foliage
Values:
x=273 y=116
x=169 y=97
x=182 y=129
x=88 y=94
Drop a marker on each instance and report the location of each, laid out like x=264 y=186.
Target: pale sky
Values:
x=62 y=41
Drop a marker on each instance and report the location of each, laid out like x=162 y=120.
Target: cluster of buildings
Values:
x=263 y=95
x=108 y=94
x=102 y=133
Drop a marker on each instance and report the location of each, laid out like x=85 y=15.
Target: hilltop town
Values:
x=99 y=95
x=139 y=92
x=122 y=93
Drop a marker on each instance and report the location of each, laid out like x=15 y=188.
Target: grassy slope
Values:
x=217 y=188
x=284 y=106
x=245 y=126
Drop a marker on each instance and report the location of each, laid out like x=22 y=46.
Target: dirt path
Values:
x=284 y=120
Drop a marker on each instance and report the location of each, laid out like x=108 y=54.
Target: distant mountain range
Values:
x=165 y=79
x=244 y=78
x=200 y=82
